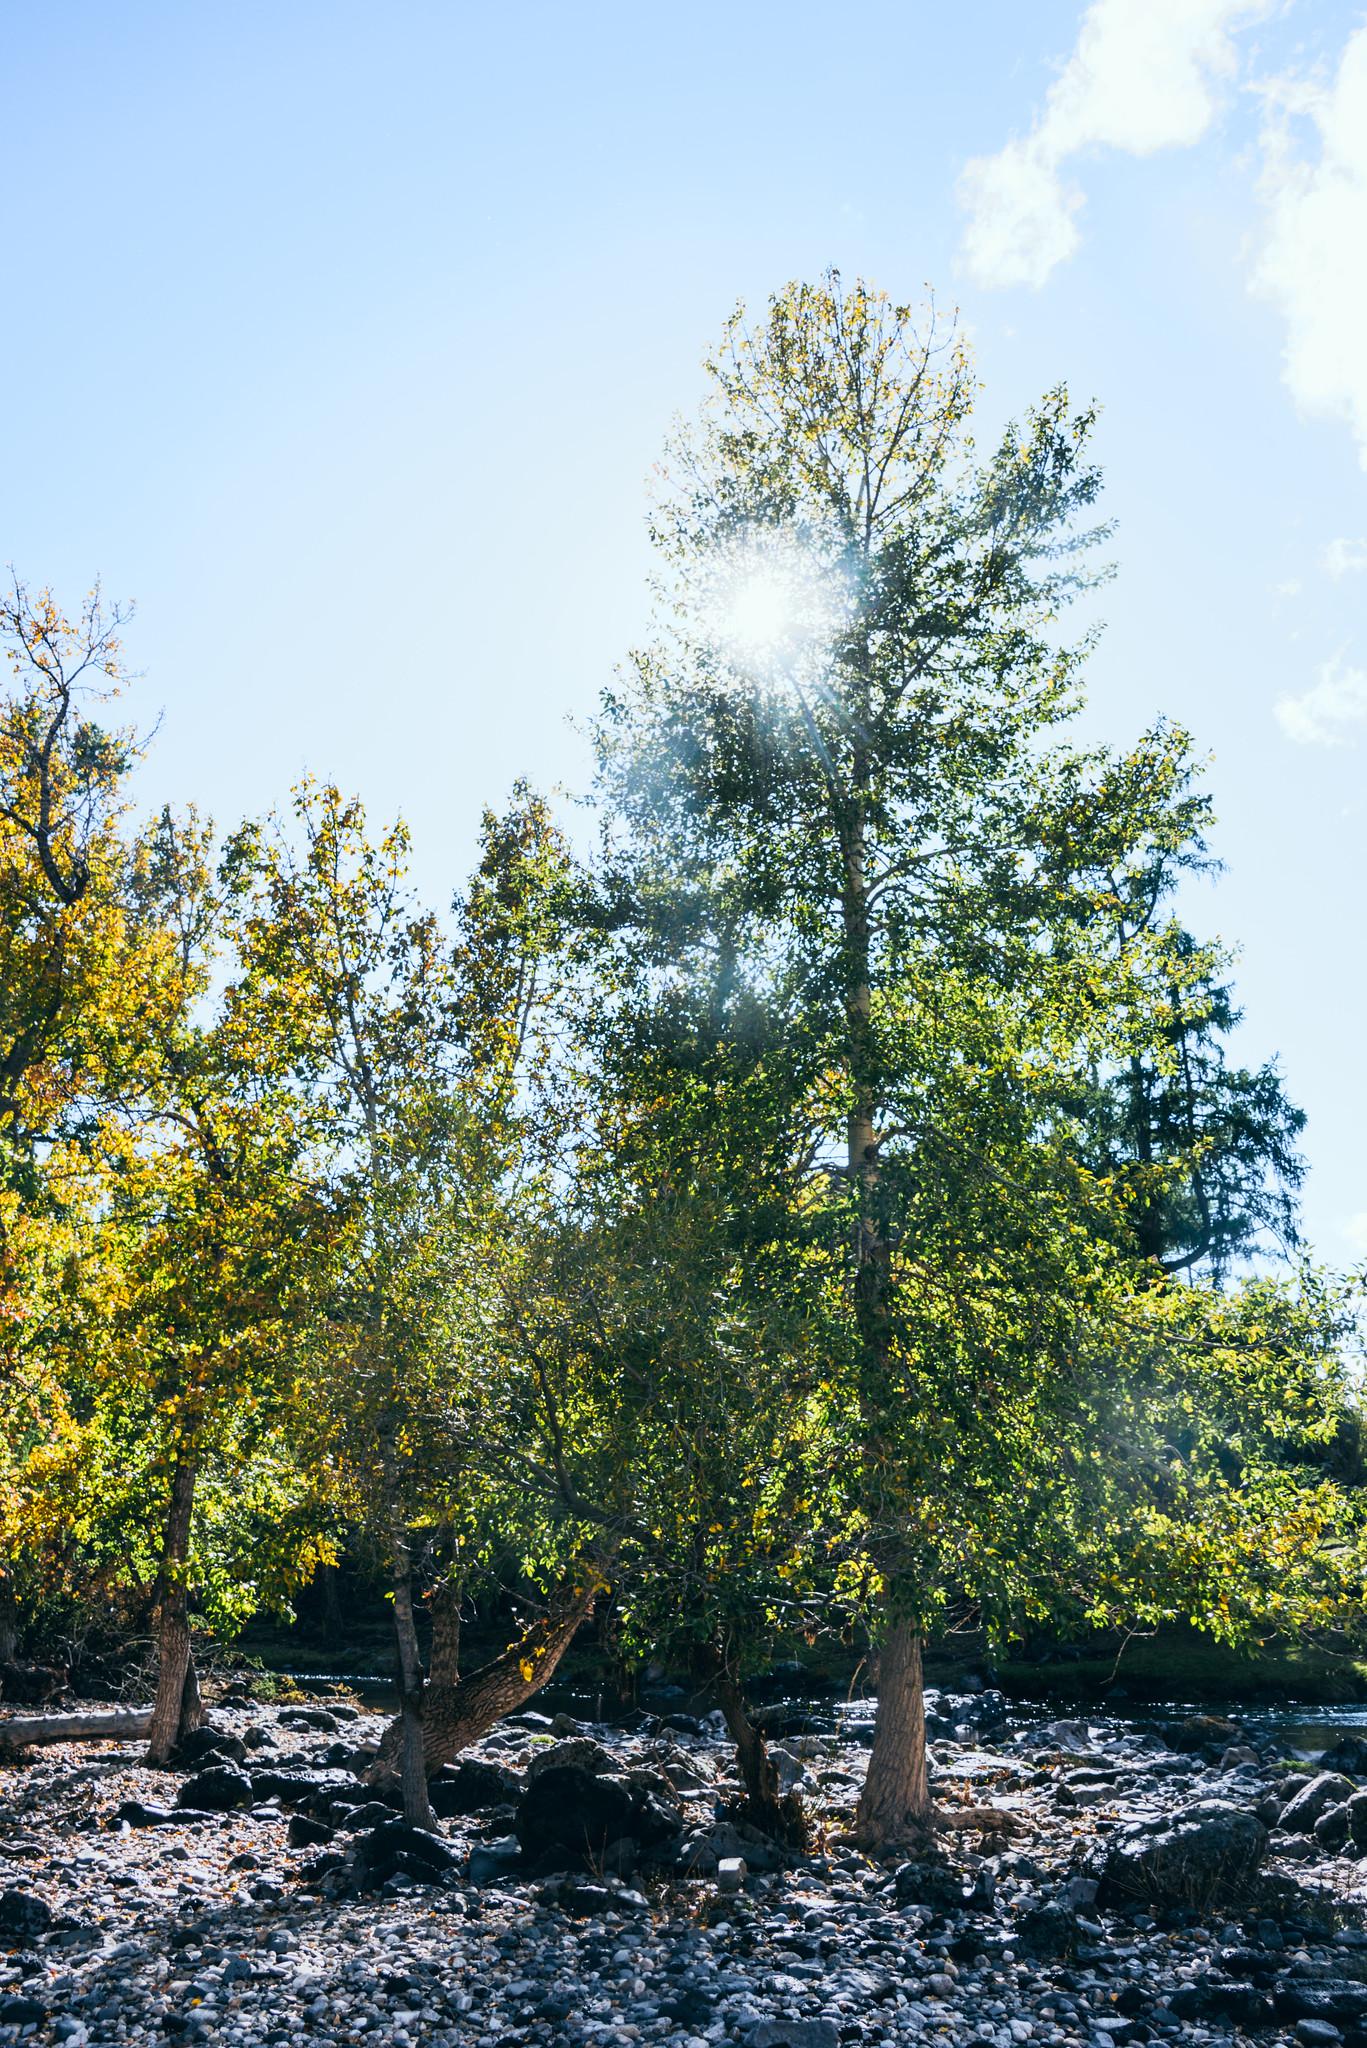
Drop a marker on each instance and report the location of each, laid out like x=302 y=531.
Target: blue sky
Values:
x=343 y=339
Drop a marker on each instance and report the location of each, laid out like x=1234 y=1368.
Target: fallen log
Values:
x=112 y=1724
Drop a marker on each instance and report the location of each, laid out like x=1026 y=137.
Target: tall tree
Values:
x=843 y=754
x=410 y=1043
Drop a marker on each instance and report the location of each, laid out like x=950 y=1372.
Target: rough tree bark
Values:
x=896 y=1795
x=417 y=1807
x=895 y=1801
x=779 y=1815
x=443 y=1668
x=177 y=1708
x=9 y=1623
x=457 y=1715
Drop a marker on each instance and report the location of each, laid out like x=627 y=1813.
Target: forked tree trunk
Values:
x=443 y=1669
x=778 y=1815
x=895 y=1801
x=177 y=1709
x=457 y=1715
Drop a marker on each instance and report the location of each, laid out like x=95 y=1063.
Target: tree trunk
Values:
x=782 y=1817
x=443 y=1670
x=9 y=1622
x=333 y=1622
x=455 y=1716
x=417 y=1807
x=109 y=1724
x=177 y=1708
x=895 y=1801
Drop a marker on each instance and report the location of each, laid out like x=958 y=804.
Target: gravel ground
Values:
x=216 y=1927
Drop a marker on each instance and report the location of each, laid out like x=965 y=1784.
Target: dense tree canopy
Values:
x=825 y=1209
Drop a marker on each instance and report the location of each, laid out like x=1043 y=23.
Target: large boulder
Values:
x=218 y=1790
x=1195 y=1857
x=203 y=1744
x=472 y=1786
x=1305 y=1807
x=1206 y=1998
x=23 y=1917
x=576 y=1753
x=397 y=1845
x=1349 y=1754
x=570 y=1817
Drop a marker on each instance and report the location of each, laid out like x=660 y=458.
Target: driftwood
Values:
x=113 y=1724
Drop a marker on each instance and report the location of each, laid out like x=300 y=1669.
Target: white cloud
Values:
x=1142 y=78
x=1345 y=557
x=1326 y=714
x=1312 y=263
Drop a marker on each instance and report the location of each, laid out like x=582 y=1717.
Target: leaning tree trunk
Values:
x=780 y=1816
x=177 y=1708
x=443 y=1668
x=457 y=1715
x=895 y=1801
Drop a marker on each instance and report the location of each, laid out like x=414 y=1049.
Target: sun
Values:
x=759 y=613
x=773 y=603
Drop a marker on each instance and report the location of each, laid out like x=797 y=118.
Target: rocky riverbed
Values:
x=1110 y=1882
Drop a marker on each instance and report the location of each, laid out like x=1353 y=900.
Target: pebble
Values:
x=195 y=1927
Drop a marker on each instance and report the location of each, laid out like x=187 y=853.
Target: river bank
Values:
x=275 y=1901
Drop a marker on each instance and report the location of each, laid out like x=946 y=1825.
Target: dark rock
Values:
x=574 y=1814
x=984 y=1712
x=1200 y=1732
x=929 y=1881
x=1341 y=2004
x=817 y=2033
x=490 y=1861
x=681 y=1724
x=1193 y=1857
x=21 y=2012
x=1348 y=1755
x=319 y=1718
x=1317 y=2033
x=220 y=1789
x=1332 y=1828
x=23 y=1917
x=472 y=1787
x=398 y=1845
x=1048 y=1929
x=305 y=1788
x=1254 y=1963
x=1325 y=1789
x=1243 y=2005
x=140 y=1813
x=372 y=1813
x=202 y=1743
x=578 y=1753
x=305 y=1833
